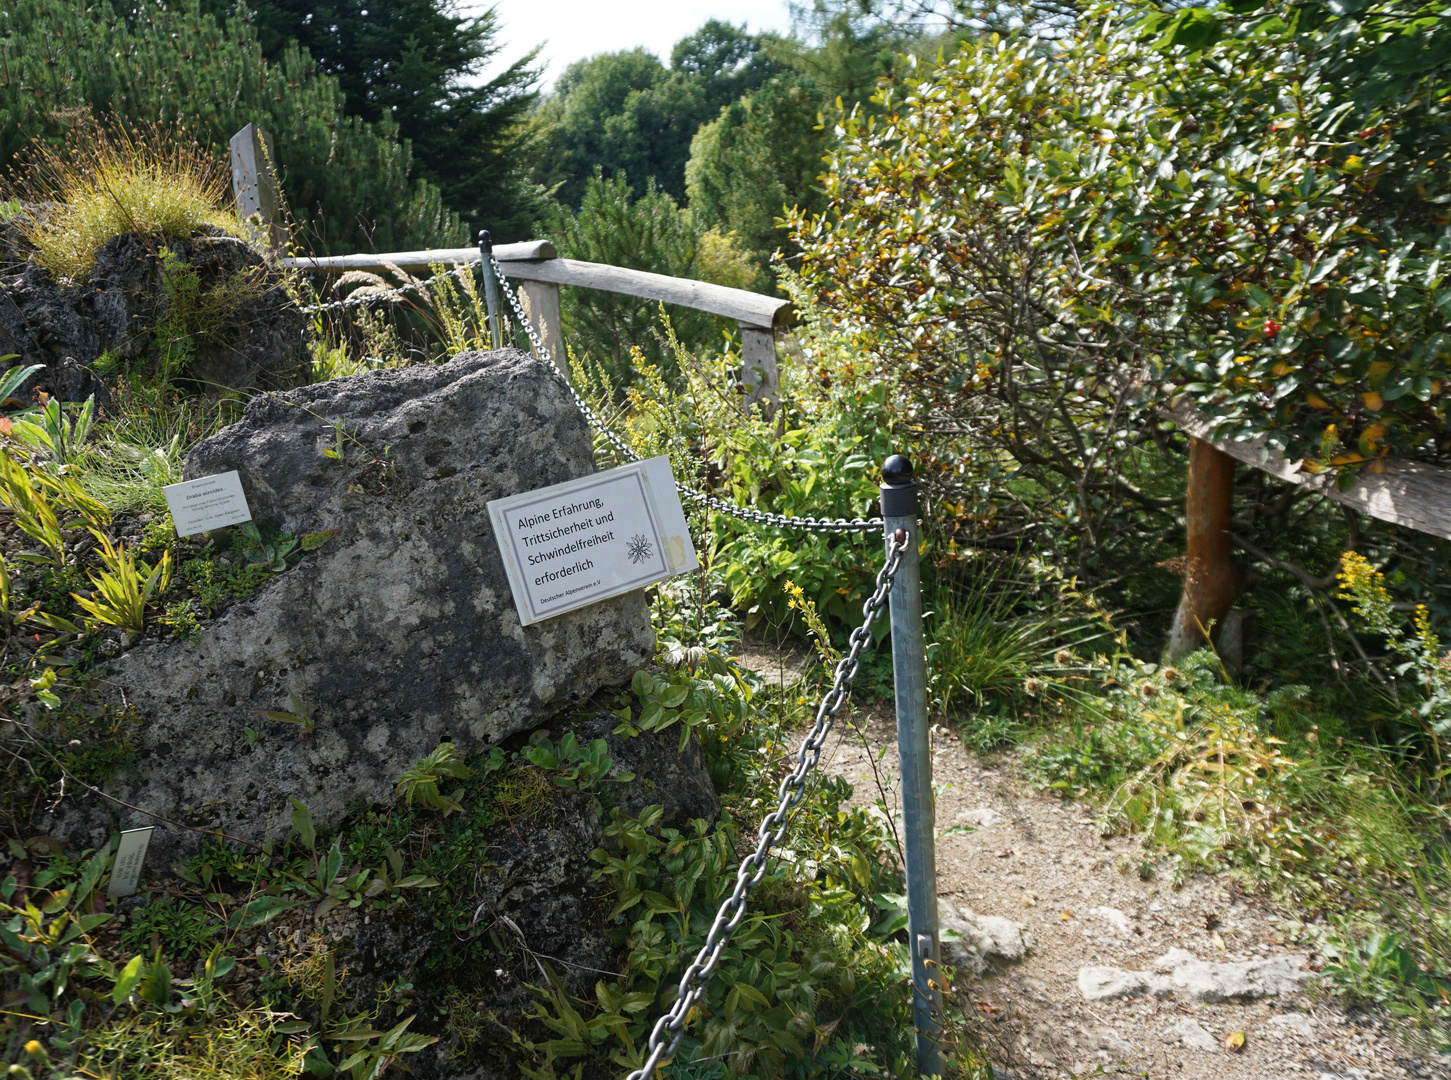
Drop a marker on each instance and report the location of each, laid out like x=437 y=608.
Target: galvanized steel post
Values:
x=491 y=289
x=914 y=746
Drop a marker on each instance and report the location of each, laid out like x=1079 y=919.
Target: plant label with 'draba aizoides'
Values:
x=212 y=502
x=576 y=543
x=130 y=855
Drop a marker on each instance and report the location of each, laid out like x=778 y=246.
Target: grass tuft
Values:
x=105 y=183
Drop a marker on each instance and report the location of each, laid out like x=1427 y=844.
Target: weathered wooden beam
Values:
x=747 y=308
x=536 y=261
x=254 y=184
x=418 y=260
x=1408 y=493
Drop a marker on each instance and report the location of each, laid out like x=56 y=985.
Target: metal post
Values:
x=914 y=746
x=491 y=289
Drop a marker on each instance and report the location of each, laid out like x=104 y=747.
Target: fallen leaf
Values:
x=1234 y=1041
x=1065 y=916
x=1218 y=941
x=1004 y=854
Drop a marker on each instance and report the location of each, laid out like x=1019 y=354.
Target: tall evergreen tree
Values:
x=415 y=63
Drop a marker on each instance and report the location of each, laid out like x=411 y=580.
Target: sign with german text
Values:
x=213 y=502
x=576 y=543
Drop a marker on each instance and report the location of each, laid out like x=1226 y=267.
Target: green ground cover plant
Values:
x=807 y=987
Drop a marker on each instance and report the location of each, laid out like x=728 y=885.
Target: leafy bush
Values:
x=817 y=457
x=1035 y=238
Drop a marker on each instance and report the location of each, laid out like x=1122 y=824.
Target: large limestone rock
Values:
x=398 y=633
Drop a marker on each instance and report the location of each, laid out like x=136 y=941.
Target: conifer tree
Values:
x=347 y=181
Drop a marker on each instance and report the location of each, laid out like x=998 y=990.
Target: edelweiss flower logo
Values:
x=639 y=548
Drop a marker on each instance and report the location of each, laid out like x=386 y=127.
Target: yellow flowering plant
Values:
x=1420 y=652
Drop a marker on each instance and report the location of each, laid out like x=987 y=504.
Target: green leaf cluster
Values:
x=1232 y=214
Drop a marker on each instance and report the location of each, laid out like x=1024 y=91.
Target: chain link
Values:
x=757 y=517
x=670 y=1028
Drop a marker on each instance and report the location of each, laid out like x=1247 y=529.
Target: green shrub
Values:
x=818 y=456
x=180 y=928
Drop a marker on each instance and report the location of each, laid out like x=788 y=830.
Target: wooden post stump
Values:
x=1212 y=579
x=759 y=373
x=540 y=300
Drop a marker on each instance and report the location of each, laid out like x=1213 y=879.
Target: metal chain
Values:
x=670 y=1028
x=757 y=517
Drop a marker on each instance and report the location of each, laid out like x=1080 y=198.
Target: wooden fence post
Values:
x=540 y=300
x=255 y=185
x=759 y=372
x=1212 y=579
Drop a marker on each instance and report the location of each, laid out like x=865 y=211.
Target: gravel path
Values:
x=1094 y=930
x=1007 y=851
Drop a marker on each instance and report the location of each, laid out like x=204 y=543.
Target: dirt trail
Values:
x=1039 y=861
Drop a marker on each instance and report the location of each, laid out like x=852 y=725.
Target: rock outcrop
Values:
x=1195 y=979
x=533 y=905
x=243 y=329
x=972 y=941
x=398 y=633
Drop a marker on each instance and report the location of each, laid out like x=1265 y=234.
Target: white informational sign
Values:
x=213 y=502
x=580 y=542
x=126 y=873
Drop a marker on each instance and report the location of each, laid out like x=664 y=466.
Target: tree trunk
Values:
x=1212 y=579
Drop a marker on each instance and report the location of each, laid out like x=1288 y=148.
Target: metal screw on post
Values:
x=914 y=746
x=491 y=288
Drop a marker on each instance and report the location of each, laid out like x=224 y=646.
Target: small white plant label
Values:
x=126 y=873
x=576 y=543
x=213 y=502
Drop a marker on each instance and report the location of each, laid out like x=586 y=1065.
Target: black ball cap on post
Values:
x=899 y=491
x=486 y=241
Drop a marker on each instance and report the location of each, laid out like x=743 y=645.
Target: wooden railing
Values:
x=541 y=272
x=1407 y=493
x=537 y=266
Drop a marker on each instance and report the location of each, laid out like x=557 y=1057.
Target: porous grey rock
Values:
x=1115 y=918
x=1104 y=983
x=1206 y=981
x=1196 y=979
x=978 y=939
x=398 y=633
x=1296 y=1023
x=120 y=303
x=984 y=817
x=1193 y=1035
